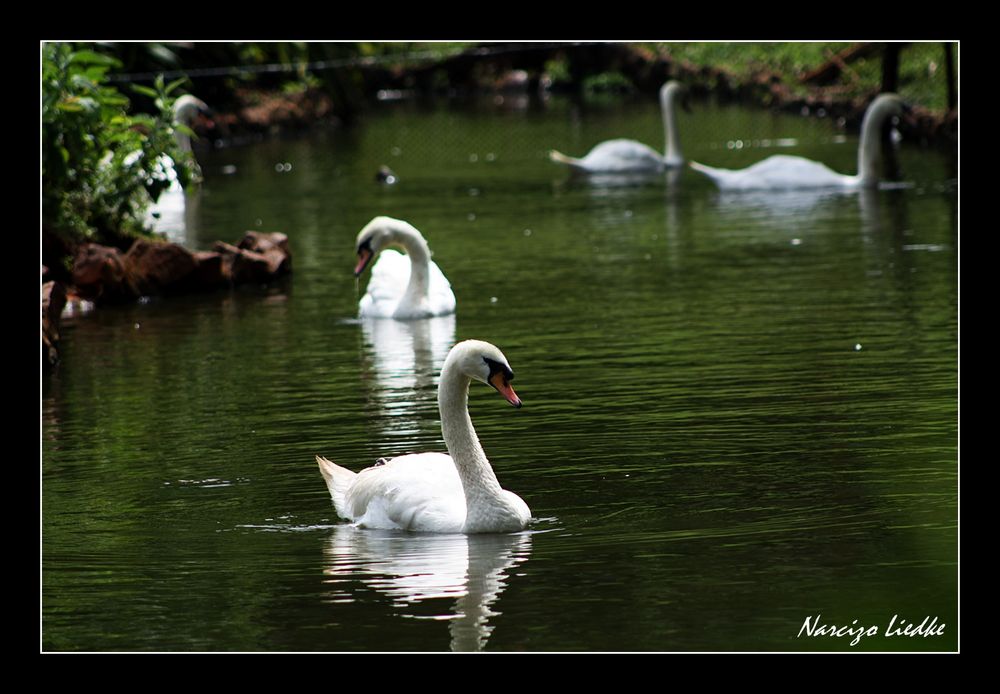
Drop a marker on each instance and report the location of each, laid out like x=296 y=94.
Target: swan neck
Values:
x=478 y=479
x=420 y=258
x=183 y=141
x=668 y=107
x=870 y=147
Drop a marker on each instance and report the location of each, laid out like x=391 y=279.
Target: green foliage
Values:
x=306 y=82
x=922 y=78
x=101 y=166
x=607 y=82
x=558 y=70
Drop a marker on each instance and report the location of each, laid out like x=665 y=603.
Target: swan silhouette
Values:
x=629 y=156
x=401 y=286
x=782 y=171
x=166 y=213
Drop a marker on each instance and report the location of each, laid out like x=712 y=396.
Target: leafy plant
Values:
x=607 y=82
x=101 y=166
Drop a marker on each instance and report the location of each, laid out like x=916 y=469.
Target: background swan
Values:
x=166 y=213
x=624 y=156
x=434 y=492
x=785 y=172
x=401 y=286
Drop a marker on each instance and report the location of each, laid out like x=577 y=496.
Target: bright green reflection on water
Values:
x=740 y=411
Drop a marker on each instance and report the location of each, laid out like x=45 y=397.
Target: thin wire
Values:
x=318 y=65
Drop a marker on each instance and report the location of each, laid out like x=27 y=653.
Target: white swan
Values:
x=624 y=156
x=788 y=172
x=434 y=492
x=402 y=286
x=166 y=213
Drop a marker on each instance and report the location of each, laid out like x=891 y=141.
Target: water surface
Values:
x=740 y=411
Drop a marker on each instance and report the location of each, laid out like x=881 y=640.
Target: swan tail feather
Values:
x=338 y=480
x=722 y=177
x=707 y=170
x=561 y=158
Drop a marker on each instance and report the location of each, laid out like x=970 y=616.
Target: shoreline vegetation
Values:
x=300 y=85
x=108 y=127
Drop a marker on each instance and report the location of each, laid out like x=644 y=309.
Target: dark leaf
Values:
x=86 y=57
x=146 y=91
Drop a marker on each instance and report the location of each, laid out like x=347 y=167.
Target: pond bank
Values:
x=106 y=275
x=341 y=96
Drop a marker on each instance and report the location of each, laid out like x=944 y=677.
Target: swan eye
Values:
x=500 y=378
x=496 y=368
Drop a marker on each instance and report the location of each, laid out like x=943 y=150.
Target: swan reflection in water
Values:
x=618 y=184
x=410 y=568
x=175 y=215
x=779 y=205
x=406 y=358
x=792 y=208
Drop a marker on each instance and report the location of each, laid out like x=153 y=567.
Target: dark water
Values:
x=740 y=410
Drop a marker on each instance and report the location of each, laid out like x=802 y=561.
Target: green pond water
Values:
x=740 y=411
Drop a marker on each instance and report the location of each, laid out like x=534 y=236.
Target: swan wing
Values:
x=387 y=286
x=780 y=171
x=440 y=294
x=420 y=491
x=621 y=155
x=390 y=275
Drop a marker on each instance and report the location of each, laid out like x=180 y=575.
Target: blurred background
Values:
x=262 y=85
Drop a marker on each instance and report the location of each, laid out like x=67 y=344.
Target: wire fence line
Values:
x=816 y=76
x=337 y=63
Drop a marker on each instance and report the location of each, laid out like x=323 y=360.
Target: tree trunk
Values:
x=890 y=67
x=949 y=69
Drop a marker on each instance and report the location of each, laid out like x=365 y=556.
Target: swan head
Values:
x=187 y=107
x=673 y=90
x=484 y=362
x=377 y=234
x=884 y=106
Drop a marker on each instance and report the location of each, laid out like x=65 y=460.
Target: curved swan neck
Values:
x=478 y=479
x=668 y=108
x=870 y=148
x=185 y=109
x=420 y=259
x=183 y=141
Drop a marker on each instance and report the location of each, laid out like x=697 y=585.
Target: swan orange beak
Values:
x=498 y=381
x=364 y=257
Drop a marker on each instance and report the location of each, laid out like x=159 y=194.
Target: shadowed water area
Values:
x=740 y=410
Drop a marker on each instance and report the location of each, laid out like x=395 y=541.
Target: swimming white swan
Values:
x=166 y=213
x=787 y=172
x=434 y=492
x=402 y=286
x=624 y=156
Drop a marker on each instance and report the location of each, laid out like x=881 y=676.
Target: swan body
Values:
x=401 y=286
x=166 y=213
x=434 y=492
x=789 y=172
x=626 y=156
